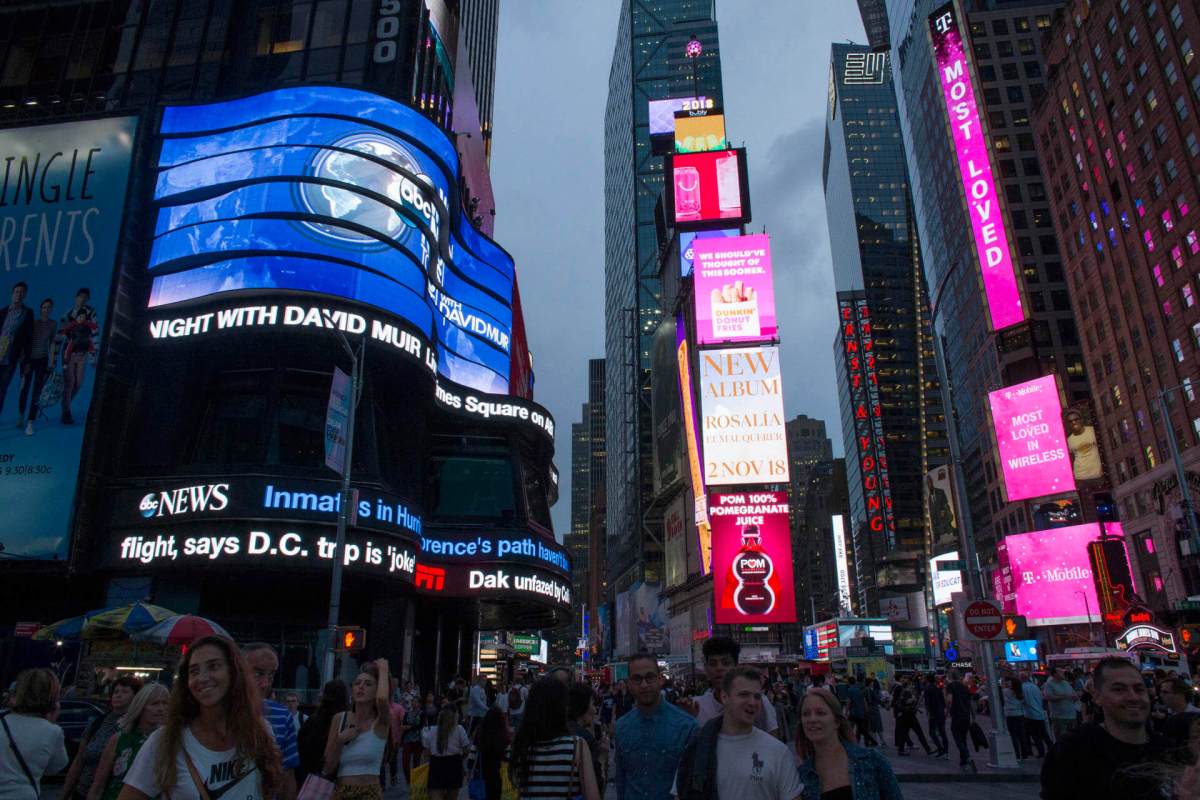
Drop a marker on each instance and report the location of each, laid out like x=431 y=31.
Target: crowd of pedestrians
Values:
x=218 y=731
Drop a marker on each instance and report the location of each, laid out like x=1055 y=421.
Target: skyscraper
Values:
x=581 y=503
x=477 y=28
x=1005 y=42
x=649 y=63
x=1122 y=165
x=891 y=423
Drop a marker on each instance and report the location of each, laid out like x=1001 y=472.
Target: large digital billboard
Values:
x=691 y=436
x=61 y=206
x=1048 y=574
x=1029 y=436
x=661 y=113
x=752 y=558
x=1021 y=651
x=735 y=291
x=988 y=226
x=697 y=133
x=741 y=400
x=841 y=563
x=705 y=188
x=331 y=191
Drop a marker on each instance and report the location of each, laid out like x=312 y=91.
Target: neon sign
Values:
x=1146 y=637
x=858 y=347
x=992 y=246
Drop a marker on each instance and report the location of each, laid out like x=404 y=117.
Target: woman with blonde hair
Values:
x=145 y=714
x=448 y=746
x=214 y=741
x=835 y=768
x=31 y=745
x=358 y=737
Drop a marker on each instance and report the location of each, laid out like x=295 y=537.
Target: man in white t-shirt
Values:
x=744 y=762
x=720 y=656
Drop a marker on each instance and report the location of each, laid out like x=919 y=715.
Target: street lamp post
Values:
x=1087 y=608
x=335 y=580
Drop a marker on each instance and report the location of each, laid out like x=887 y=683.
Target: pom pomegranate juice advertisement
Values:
x=752 y=557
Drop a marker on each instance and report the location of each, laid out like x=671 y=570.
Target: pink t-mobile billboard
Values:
x=735 y=293
x=990 y=231
x=1032 y=443
x=752 y=558
x=1049 y=573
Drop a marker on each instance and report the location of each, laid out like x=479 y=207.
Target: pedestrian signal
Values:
x=350 y=639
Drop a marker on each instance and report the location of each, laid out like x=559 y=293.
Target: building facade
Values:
x=1118 y=140
x=1006 y=46
x=206 y=473
x=649 y=63
x=891 y=414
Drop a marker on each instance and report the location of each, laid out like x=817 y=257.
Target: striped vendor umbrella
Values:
x=180 y=629
x=124 y=621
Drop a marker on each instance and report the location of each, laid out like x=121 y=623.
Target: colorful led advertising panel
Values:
x=687 y=245
x=991 y=232
x=1021 y=650
x=735 y=292
x=691 y=437
x=698 y=133
x=1048 y=574
x=354 y=196
x=661 y=113
x=752 y=558
x=707 y=187
x=842 y=563
x=741 y=401
x=1029 y=436
x=61 y=204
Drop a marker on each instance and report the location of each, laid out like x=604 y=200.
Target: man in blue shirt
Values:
x=264 y=663
x=1035 y=715
x=650 y=738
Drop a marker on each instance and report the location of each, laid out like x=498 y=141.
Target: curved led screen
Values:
x=331 y=191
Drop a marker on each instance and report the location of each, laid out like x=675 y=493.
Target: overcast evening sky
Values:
x=548 y=172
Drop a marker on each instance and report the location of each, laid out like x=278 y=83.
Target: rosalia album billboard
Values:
x=354 y=196
x=741 y=400
x=710 y=187
x=735 y=292
x=1030 y=438
x=1048 y=574
x=988 y=226
x=752 y=558
x=61 y=204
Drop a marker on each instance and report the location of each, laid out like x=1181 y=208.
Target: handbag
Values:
x=52 y=391
x=418 y=783
x=37 y=790
x=476 y=789
x=317 y=786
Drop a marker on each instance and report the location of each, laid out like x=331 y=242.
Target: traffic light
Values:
x=1015 y=627
x=350 y=639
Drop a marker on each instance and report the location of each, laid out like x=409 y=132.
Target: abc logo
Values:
x=149 y=505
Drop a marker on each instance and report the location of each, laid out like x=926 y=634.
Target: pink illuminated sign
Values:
x=971 y=149
x=735 y=296
x=1031 y=439
x=1048 y=574
x=752 y=558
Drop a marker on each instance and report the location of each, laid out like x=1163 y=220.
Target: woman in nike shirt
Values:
x=214 y=743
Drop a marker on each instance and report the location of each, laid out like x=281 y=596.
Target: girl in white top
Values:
x=29 y=729
x=448 y=744
x=358 y=737
x=215 y=741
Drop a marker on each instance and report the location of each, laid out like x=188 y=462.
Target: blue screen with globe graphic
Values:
x=332 y=191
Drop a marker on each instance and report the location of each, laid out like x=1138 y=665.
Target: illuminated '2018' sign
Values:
x=332 y=191
x=990 y=231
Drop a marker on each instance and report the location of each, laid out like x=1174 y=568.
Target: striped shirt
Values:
x=552 y=771
x=280 y=720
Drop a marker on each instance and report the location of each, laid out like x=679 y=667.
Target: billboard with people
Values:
x=61 y=207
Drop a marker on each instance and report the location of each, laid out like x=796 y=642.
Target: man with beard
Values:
x=1085 y=761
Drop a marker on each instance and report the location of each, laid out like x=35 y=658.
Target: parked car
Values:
x=74 y=716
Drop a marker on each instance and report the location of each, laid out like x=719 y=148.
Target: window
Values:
x=1022 y=25
x=1160 y=133
x=1171 y=73
x=1137 y=119
x=1167 y=222
x=1015 y=94
x=1025 y=47
x=1147 y=152
x=1193 y=242
x=1112 y=26
x=1132 y=35
x=1188 y=299
x=1193 y=146
x=1148 y=238
x=1181 y=204
x=1176 y=17
x=1177 y=257
x=1158 y=274
x=1004 y=49
x=1160 y=39
x=987 y=73
x=1151 y=100
x=1185 y=49
x=1130 y=87
x=1181 y=109
x=1009 y=72
x=1177 y=348
x=1119 y=55
x=999 y=27
x=473 y=486
x=1150 y=462
x=1033 y=69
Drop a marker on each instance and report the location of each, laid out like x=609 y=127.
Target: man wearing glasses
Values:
x=650 y=739
x=264 y=663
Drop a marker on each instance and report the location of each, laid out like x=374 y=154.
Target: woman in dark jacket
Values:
x=493 y=739
x=335 y=698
